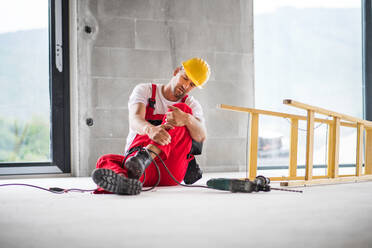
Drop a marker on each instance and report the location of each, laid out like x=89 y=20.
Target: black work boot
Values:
x=116 y=183
x=193 y=173
x=137 y=164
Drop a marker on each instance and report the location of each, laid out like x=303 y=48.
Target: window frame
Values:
x=59 y=93
x=367 y=58
x=366 y=25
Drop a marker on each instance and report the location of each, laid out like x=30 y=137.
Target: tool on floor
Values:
x=260 y=183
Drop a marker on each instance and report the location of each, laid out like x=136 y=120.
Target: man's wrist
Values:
x=188 y=119
x=146 y=129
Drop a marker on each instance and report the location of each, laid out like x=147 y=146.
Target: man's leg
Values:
x=174 y=154
x=112 y=178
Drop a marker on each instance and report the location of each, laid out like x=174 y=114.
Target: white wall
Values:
x=136 y=41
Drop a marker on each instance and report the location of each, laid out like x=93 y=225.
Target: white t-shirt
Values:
x=143 y=92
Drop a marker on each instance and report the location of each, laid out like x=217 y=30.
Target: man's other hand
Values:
x=159 y=134
x=177 y=117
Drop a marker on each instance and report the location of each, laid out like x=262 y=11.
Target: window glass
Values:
x=24 y=81
x=311 y=52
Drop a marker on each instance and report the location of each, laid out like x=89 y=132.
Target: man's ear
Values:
x=176 y=71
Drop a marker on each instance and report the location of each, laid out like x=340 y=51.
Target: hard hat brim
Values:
x=189 y=75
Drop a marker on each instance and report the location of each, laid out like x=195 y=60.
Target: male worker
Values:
x=163 y=121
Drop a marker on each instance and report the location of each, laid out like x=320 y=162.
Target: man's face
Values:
x=182 y=85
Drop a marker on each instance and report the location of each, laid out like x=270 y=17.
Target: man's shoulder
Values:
x=142 y=88
x=194 y=104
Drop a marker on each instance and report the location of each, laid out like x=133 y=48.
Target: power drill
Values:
x=260 y=183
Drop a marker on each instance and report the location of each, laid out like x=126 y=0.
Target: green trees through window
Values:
x=24 y=140
x=24 y=82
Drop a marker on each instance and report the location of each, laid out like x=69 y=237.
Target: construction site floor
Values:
x=322 y=216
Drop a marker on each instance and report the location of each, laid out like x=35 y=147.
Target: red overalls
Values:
x=175 y=155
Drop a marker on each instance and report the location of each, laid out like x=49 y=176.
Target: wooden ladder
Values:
x=334 y=125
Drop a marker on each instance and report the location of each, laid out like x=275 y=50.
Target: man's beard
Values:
x=179 y=94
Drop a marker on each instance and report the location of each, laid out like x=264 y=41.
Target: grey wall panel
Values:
x=138 y=41
x=115 y=32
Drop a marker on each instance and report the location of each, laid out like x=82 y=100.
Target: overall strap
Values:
x=153 y=92
x=184 y=98
x=151 y=103
x=150 y=108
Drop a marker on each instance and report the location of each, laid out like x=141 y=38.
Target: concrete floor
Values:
x=323 y=216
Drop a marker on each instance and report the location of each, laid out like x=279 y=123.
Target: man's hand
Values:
x=177 y=117
x=159 y=133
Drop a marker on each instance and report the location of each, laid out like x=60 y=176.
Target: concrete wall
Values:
x=120 y=43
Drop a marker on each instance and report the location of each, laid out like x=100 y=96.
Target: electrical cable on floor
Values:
x=202 y=186
x=159 y=176
x=170 y=174
x=54 y=190
x=57 y=190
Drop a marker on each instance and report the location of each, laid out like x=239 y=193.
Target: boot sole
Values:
x=112 y=182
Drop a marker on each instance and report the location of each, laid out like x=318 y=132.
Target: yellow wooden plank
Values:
x=253 y=146
x=279 y=114
x=286 y=178
x=283 y=178
x=359 y=150
x=368 y=153
x=333 y=170
x=310 y=107
x=347 y=124
x=330 y=149
x=326 y=112
x=327 y=181
x=293 y=148
x=260 y=111
x=294 y=178
x=309 y=145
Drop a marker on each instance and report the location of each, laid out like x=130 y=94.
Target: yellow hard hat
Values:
x=197 y=70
